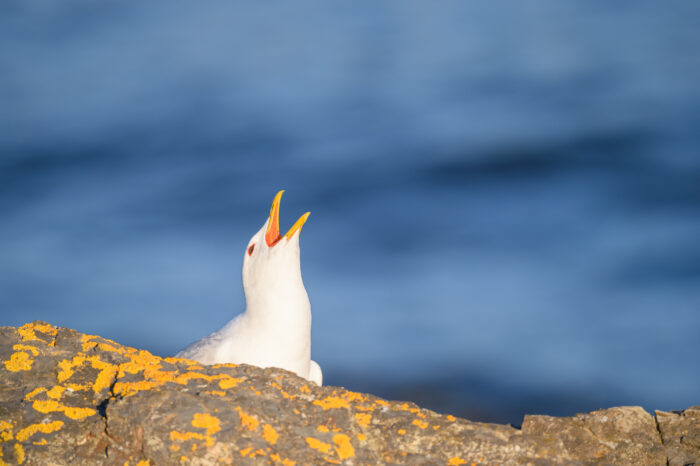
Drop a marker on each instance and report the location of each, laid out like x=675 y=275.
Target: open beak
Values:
x=272 y=235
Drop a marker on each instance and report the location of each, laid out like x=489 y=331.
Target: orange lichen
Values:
x=322 y=428
x=26 y=331
x=185 y=436
x=56 y=392
x=456 y=461
x=305 y=389
x=270 y=434
x=343 y=446
x=421 y=424
x=247 y=420
x=316 y=444
x=229 y=382
x=33 y=349
x=281 y=390
x=19 y=361
x=6 y=426
x=451 y=418
x=30 y=430
x=285 y=462
x=34 y=393
x=48 y=406
x=361 y=437
x=41 y=442
x=19 y=453
x=332 y=402
x=354 y=396
x=215 y=392
x=401 y=431
x=363 y=419
x=252 y=454
x=206 y=421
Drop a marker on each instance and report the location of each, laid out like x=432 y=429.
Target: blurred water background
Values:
x=505 y=197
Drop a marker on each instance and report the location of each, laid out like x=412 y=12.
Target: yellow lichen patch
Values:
x=32 y=349
x=19 y=453
x=316 y=444
x=56 y=392
x=343 y=446
x=206 y=421
x=247 y=420
x=363 y=419
x=47 y=428
x=354 y=396
x=19 y=361
x=78 y=413
x=281 y=390
x=451 y=418
x=331 y=460
x=76 y=387
x=226 y=364
x=174 y=447
x=436 y=427
x=361 y=437
x=401 y=431
x=185 y=436
x=421 y=424
x=66 y=367
x=88 y=344
x=104 y=378
x=129 y=388
x=48 y=406
x=143 y=463
x=456 y=461
x=270 y=434
x=5 y=431
x=285 y=461
x=322 y=428
x=382 y=402
x=215 y=392
x=26 y=331
x=229 y=382
x=34 y=393
x=305 y=389
x=332 y=402
x=41 y=442
x=173 y=360
x=252 y=454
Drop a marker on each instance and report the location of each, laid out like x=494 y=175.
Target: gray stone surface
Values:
x=70 y=398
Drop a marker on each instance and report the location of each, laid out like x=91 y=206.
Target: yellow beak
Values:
x=272 y=235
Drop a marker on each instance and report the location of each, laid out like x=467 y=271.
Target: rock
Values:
x=70 y=398
x=680 y=432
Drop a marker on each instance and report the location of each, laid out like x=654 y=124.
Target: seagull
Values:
x=275 y=328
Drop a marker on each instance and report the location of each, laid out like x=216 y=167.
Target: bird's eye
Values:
x=251 y=249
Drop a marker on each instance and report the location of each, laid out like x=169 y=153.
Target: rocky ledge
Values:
x=70 y=398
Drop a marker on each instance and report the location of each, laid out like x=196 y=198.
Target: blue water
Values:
x=505 y=198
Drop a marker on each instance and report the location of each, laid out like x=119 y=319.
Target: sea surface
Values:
x=504 y=196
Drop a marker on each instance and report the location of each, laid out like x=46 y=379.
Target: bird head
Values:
x=271 y=267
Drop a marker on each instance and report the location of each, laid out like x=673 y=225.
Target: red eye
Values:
x=251 y=249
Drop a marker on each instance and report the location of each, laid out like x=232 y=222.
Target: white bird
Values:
x=275 y=328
